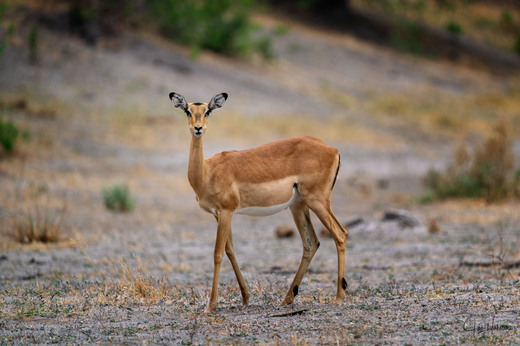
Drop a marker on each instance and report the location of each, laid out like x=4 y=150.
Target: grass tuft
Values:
x=37 y=226
x=137 y=285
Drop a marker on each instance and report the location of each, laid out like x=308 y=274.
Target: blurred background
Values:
x=421 y=97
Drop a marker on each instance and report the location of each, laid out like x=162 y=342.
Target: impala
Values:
x=297 y=173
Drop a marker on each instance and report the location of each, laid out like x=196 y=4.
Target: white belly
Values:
x=272 y=209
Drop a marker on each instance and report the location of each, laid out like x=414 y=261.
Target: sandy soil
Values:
x=99 y=116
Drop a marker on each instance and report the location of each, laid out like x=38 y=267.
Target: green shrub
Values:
x=117 y=198
x=222 y=26
x=3 y=40
x=454 y=28
x=8 y=135
x=407 y=37
x=489 y=173
x=507 y=18
x=516 y=47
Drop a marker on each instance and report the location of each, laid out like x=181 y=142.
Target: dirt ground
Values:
x=100 y=116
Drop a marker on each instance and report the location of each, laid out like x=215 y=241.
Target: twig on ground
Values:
x=291 y=313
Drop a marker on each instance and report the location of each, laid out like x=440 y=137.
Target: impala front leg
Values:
x=230 y=252
x=223 y=230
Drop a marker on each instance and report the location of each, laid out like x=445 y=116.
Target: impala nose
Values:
x=198 y=130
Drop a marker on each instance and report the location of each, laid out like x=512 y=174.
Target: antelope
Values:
x=295 y=173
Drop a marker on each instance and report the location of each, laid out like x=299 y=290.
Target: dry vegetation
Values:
x=489 y=172
x=496 y=23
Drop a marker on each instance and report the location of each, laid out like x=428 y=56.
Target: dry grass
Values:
x=424 y=110
x=37 y=226
x=385 y=311
x=433 y=111
x=476 y=212
x=267 y=128
x=493 y=24
x=137 y=285
x=35 y=217
x=33 y=105
x=136 y=125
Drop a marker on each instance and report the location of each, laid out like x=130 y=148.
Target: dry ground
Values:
x=99 y=116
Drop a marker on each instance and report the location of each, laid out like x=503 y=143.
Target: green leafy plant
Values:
x=507 y=18
x=8 y=135
x=118 y=198
x=454 y=28
x=3 y=42
x=222 y=26
x=516 y=47
x=407 y=37
x=488 y=173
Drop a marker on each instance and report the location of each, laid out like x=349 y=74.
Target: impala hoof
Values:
x=288 y=300
x=339 y=297
x=245 y=301
x=290 y=296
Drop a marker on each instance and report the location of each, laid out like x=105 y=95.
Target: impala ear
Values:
x=179 y=101
x=217 y=101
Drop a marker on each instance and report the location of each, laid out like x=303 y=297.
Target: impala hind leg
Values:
x=223 y=232
x=302 y=219
x=339 y=234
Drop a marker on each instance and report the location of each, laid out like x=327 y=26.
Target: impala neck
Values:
x=196 y=169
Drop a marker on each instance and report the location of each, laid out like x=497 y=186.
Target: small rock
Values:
x=382 y=184
x=34 y=261
x=284 y=231
x=403 y=217
x=354 y=221
x=433 y=226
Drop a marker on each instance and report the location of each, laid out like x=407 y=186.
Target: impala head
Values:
x=197 y=112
